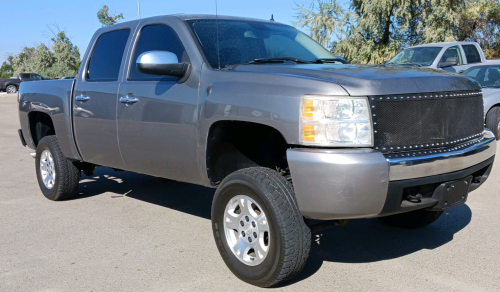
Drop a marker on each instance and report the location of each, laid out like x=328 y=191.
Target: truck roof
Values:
x=443 y=44
x=197 y=16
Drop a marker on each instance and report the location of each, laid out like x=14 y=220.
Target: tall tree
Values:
x=6 y=70
x=61 y=59
x=105 y=18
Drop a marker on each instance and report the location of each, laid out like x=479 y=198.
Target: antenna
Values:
x=217 y=24
x=139 y=9
x=272 y=18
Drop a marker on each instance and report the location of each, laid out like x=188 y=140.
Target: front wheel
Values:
x=57 y=176
x=413 y=219
x=258 y=228
x=493 y=121
x=11 y=89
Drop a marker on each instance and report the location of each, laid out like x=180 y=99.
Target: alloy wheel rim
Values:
x=10 y=89
x=247 y=230
x=47 y=169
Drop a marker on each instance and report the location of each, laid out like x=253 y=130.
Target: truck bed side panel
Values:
x=52 y=97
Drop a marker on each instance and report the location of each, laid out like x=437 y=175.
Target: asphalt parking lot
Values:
x=132 y=232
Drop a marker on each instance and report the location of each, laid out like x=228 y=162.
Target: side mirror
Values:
x=384 y=63
x=449 y=62
x=161 y=63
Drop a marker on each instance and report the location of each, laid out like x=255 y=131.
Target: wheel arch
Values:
x=233 y=145
x=40 y=125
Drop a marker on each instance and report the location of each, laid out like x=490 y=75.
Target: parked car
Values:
x=11 y=85
x=454 y=56
x=489 y=78
x=256 y=110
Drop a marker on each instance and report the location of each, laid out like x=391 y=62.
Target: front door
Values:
x=454 y=52
x=95 y=99
x=157 y=120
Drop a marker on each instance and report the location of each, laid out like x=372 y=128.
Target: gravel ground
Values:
x=132 y=232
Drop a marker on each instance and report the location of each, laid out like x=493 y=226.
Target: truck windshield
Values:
x=244 y=41
x=423 y=56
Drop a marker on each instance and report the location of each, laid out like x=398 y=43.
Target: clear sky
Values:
x=24 y=23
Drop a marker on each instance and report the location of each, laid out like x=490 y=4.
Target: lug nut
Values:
x=249 y=239
x=241 y=223
x=243 y=233
x=246 y=218
x=255 y=234
x=253 y=224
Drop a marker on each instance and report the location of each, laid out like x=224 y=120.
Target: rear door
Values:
x=157 y=133
x=95 y=99
x=472 y=55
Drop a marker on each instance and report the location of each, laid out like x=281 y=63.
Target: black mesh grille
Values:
x=423 y=121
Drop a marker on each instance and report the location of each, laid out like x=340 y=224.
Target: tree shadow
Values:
x=361 y=241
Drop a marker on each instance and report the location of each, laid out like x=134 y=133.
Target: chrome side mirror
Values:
x=161 y=63
x=448 y=63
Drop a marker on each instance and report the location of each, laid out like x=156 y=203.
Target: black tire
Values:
x=413 y=219
x=67 y=175
x=11 y=89
x=290 y=238
x=492 y=121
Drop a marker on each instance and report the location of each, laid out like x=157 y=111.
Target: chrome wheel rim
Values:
x=11 y=89
x=47 y=169
x=247 y=230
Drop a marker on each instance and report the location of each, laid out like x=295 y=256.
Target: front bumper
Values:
x=362 y=183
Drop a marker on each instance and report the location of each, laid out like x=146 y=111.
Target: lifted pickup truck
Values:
x=256 y=109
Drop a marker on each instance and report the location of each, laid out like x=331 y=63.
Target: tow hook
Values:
x=317 y=227
x=414 y=199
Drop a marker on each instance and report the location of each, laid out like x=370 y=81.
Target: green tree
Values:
x=480 y=22
x=61 y=59
x=6 y=70
x=105 y=18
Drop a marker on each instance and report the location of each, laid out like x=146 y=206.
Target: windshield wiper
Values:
x=403 y=64
x=329 y=60
x=268 y=61
x=278 y=60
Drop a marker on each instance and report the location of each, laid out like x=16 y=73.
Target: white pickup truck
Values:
x=453 y=56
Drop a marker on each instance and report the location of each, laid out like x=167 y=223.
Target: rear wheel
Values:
x=11 y=89
x=57 y=176
x=258 y=228
x=413 y=219
x=493 y=121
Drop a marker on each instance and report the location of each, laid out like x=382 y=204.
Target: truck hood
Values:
x=359 y=80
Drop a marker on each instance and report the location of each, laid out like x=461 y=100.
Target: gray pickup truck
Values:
x=256 y=109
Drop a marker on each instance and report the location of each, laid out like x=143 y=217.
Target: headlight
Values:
x=336 y=121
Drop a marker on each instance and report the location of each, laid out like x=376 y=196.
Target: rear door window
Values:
x=36 y=77
x=472 y=54
x=107 y=56
x=157 y=37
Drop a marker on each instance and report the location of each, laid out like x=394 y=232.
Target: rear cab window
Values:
x=472 y=54
x=107 y=55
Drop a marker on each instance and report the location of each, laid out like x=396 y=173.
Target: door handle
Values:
x=82 y=98
x=128 y=100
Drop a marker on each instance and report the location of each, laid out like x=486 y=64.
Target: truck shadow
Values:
x=361 y=241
